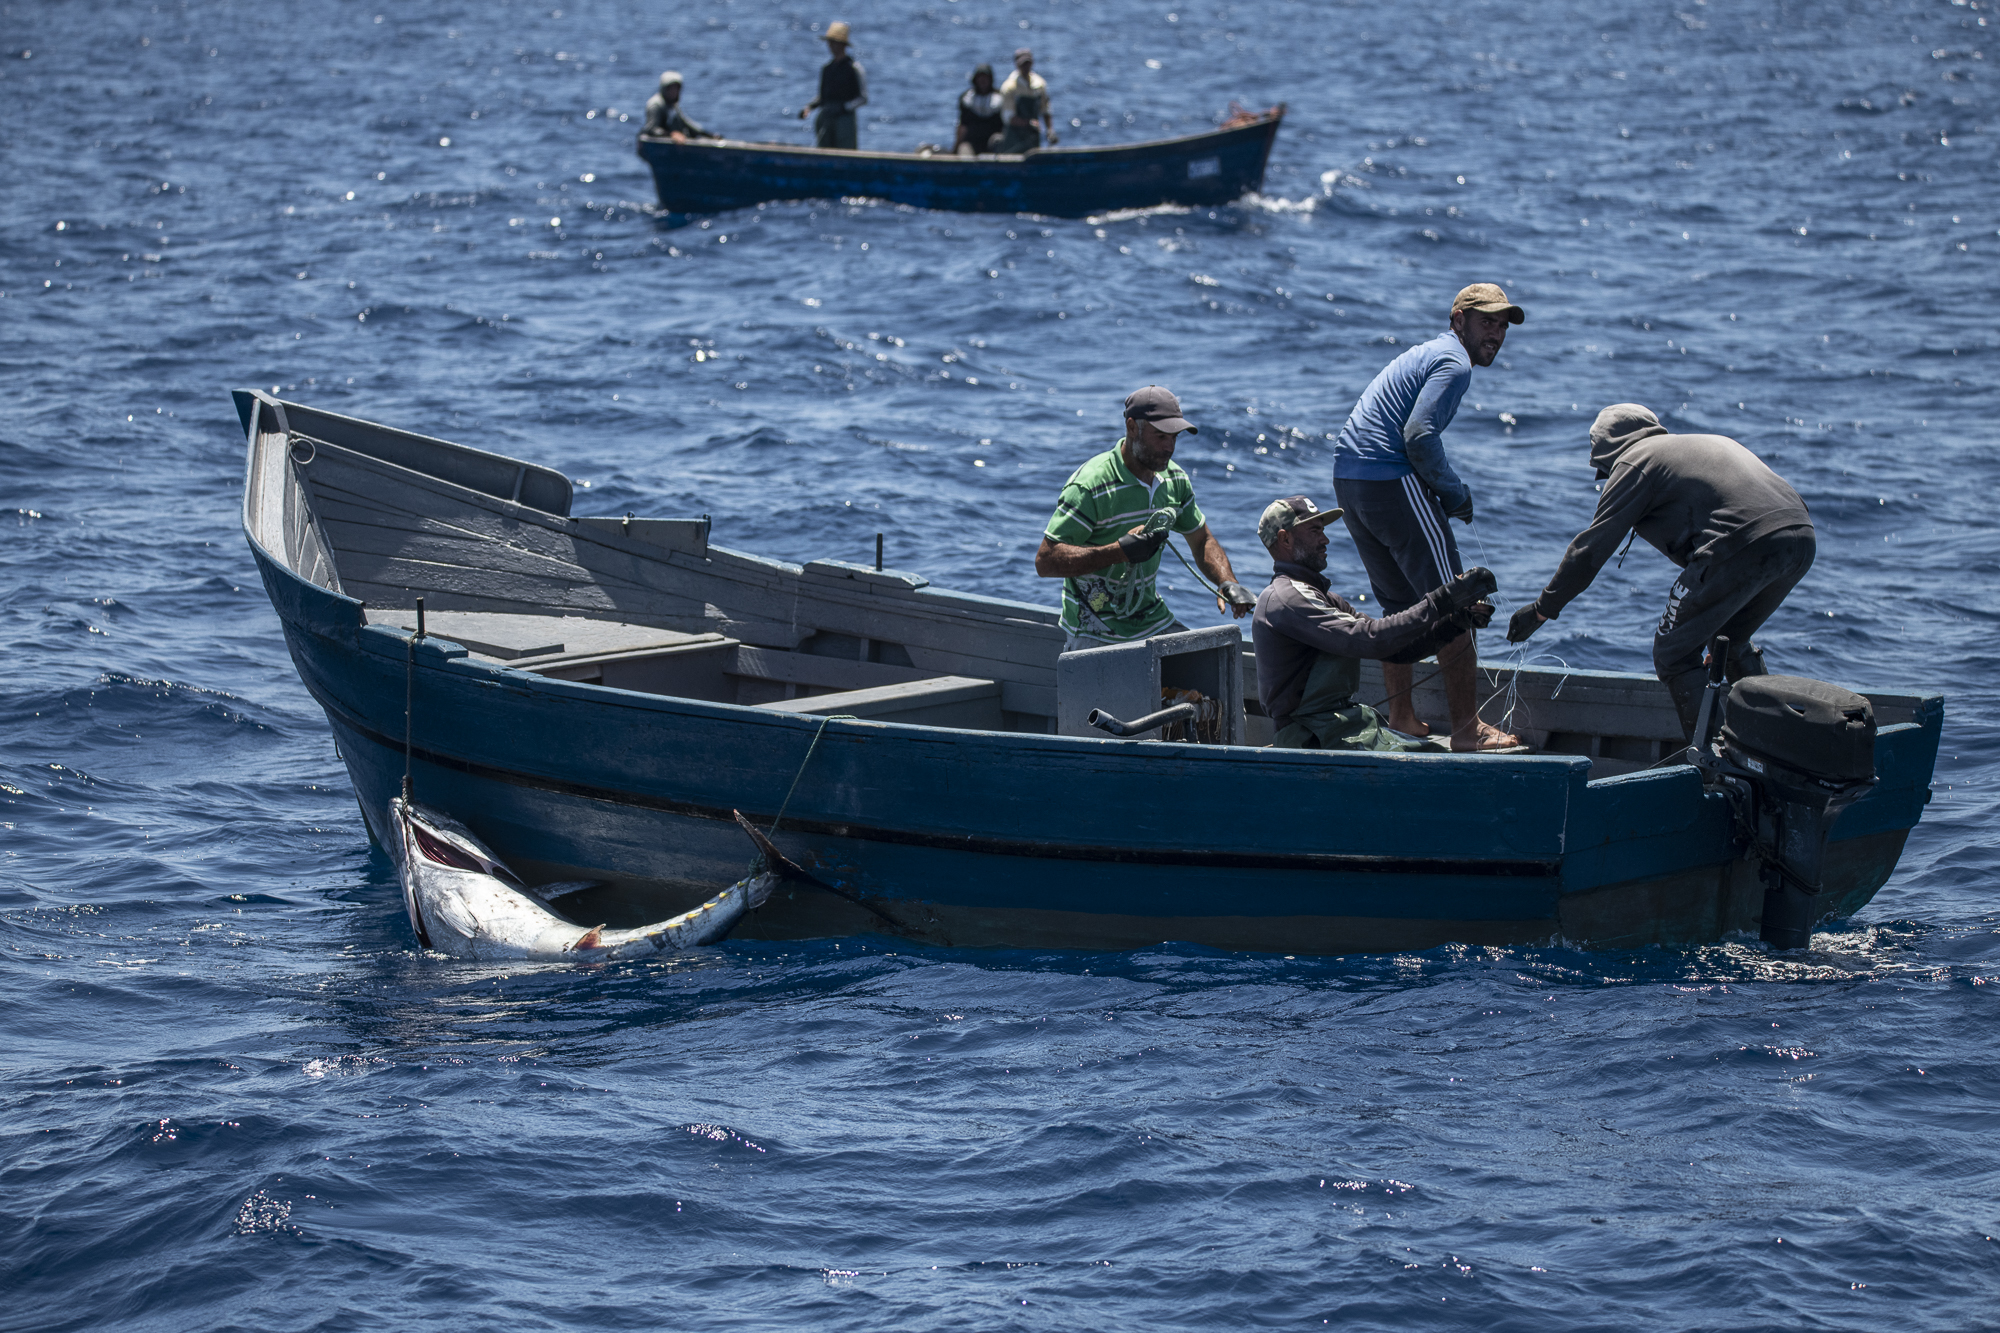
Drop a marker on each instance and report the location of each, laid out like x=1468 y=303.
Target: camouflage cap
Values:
x=1293 y=511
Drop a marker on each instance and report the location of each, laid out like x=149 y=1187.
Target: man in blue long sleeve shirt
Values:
x=1391 y=475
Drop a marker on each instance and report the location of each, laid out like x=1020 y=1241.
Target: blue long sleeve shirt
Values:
x=1397 y=426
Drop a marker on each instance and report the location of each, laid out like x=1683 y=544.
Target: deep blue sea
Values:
x=233 y=1095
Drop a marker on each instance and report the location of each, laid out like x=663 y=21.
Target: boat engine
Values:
x=1793 y=753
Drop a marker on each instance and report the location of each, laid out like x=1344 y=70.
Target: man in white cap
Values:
x=1392 y=478
x=663 y=113
x=1739 y=532
x=1310 y=640
x=1024 y=108
x=843 y=90
x=1113 y=516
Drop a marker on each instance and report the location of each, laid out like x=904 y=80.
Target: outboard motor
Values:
x=1794 y=753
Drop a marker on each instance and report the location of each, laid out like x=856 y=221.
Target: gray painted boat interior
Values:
x=650 y=604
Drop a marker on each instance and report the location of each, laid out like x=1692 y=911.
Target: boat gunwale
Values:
x=1271 y=118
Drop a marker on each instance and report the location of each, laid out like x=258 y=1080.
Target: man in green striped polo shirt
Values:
x=1113 y=516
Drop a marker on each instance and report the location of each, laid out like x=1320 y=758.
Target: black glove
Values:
x=1237 y=595
x=1142 y=546
x=1455 y=600
x=1526 y=620
x=1459 y=594
x=1462 y=510
x=1479 y=615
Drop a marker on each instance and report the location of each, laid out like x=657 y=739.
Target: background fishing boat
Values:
x=598 y=694
x=1216 y=167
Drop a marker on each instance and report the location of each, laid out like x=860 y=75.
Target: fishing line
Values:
x=817 y=733
x=836 y=891
x=1192 y=570
x=409 y=700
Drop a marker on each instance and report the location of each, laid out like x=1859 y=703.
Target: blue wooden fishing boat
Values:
x=595 y=695
x=1215 y=167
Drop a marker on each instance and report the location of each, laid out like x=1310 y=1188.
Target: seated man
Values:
x=663 y=113
x=979 y=118
x=1310 y=641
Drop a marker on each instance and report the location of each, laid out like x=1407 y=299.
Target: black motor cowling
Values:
x=1819 y=731
x=1802 y=751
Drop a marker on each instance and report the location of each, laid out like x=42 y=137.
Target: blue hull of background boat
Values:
x=1198 y=170
x=1031 y=840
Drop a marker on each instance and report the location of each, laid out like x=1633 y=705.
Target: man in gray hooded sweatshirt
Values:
x=1742 y=538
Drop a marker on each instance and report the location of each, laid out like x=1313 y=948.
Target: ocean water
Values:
x=234 y=1096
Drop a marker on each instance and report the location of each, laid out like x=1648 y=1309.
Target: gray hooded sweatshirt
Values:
x=1693 y=497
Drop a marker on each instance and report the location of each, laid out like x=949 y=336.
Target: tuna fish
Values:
x=464 y=901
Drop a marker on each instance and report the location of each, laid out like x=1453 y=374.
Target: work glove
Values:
x=1140 y=547
x=1525 y=621
x=1478 y=616
x=1461 y=509
x=1455 y=600
x=1239 y=598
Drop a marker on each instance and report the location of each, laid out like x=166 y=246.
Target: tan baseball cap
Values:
x=1294 y=511
x=1489 y=299
x=835 y=32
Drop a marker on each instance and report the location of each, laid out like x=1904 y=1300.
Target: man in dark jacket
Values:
x=843 y=90
x=1740 y=534
x=1310 y=640
x=664 y=116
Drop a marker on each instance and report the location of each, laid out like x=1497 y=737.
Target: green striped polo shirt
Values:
x=1101 y=502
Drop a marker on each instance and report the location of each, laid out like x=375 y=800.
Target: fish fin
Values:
x=774 y=860
x=590 y=939
x=781 y=867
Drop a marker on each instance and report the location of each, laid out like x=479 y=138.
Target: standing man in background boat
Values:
x=1391 y=476
x=1739 y=532
x=1310 y=641
x=663 y=113
x=843 y=90
x=1024 y=100
x=1113 y=516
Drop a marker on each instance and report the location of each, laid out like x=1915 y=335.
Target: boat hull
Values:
x=973 y=840
x=704 y=176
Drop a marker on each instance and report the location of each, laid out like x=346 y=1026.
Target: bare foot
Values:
x=1468 y=741
x=1411 y=725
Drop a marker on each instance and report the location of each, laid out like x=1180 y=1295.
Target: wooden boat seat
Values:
x=537 y=640
x=941 y=701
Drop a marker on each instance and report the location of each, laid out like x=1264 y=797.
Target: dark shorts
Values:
x=1400 y=532
x=1732 y=597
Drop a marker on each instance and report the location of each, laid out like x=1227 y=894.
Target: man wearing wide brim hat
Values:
x=1391 y=475
x=1111 y=521
x=843 y=90
x=1311 y=641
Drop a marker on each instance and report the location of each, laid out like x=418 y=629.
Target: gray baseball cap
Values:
x=1294 y=511
x=1155 y=405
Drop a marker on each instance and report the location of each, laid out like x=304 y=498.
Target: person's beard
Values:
x=1313 y=560
x=1151 y=460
